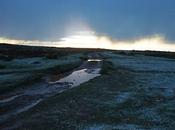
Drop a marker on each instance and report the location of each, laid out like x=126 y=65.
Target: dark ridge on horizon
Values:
x=11 y=51
x=49 y=47
x=21 y=51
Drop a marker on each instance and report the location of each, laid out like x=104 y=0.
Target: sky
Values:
x=124 y=21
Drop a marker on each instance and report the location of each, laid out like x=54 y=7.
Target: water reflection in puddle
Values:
x=83 y=75
x=95 y=60
x=80 y=76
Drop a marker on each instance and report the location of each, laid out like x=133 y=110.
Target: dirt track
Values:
x=20 y=101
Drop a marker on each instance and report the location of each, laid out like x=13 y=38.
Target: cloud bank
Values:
x=90 y=40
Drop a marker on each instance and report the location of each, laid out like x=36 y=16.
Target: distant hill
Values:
x=20 y=51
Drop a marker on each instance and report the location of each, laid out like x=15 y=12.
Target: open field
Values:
x=24 y=65
x=135 y=90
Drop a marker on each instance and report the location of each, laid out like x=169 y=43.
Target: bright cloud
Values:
x=91 y=40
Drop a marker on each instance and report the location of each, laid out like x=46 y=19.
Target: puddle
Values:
x=78 y=77
x=83 y=74
x=94 y=60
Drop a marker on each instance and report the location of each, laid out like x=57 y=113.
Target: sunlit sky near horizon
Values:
x=110 y=24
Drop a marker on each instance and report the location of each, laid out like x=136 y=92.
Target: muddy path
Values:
x=20 y=101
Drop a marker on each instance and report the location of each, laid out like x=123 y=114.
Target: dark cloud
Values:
x=120 y=19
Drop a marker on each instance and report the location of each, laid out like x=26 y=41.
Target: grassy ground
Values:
x=129 y=94
x=24 y=65
x=9 y=52
x=115 y=100
x=91 y=103
x=18 y=73
x=10 y=82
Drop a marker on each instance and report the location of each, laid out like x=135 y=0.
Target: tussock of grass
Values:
x=22 y=82
x=2 y=66
x=107 y=67
x=64 y=68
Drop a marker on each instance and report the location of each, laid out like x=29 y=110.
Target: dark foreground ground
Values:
x=136 y=90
